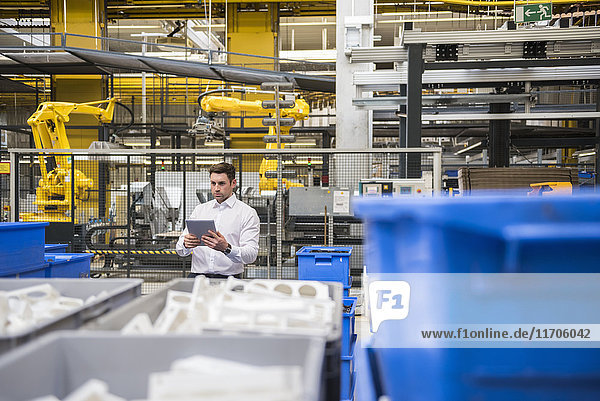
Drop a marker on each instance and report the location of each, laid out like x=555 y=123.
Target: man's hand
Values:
x=191 y=241
x=215 y=240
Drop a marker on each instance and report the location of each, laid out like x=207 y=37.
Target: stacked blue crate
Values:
x=332 y=263
x=484 y=235
x=325 y=263
x=68 y=265
x=347 y=373
x=22 y=249
x=55 y=248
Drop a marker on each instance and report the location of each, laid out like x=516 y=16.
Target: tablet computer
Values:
x=200 y=227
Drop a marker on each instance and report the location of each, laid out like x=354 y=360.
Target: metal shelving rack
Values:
x=500 y=58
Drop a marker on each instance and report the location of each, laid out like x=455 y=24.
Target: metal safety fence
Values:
x=128 y=207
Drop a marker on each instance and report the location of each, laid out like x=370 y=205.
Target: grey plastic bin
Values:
x=154 y=303
x=119 y=292
x=59 y=363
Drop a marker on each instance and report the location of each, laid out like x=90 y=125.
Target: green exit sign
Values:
x=533 y=12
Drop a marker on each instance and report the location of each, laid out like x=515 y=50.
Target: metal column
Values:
x=152 y=177
x=414 y=99
x=102 y=174
x=129 y=216
x=499 y=137
x=597 y=123
x=280 y=232
x=402 y=143
x=13 y=188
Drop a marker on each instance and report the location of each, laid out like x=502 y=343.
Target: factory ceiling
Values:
x=83 y=61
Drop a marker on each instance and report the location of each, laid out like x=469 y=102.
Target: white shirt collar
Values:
x=228 y=202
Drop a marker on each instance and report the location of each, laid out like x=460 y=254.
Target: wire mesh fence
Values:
x=4 y=186
x=129 y=207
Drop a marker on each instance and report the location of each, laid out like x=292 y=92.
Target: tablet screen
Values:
x=200 y=227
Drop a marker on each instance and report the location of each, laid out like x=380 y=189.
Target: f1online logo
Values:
x=388 y=300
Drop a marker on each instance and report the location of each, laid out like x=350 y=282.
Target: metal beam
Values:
x=390 y=80
x=500 y=36
x=212 y=152
x=379 y=54
x=385 y=102
x=522 y=63
x=553 y=142
x=583 y=115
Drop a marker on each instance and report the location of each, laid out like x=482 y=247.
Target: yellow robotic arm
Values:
x=215 y=104
x=300 y=111
x=53 y=195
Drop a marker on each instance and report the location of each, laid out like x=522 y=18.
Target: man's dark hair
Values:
x=223 y=168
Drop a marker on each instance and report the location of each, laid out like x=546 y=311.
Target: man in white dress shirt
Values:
x=236 y=241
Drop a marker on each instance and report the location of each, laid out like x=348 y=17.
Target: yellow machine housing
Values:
x=54 y=191
x=550 y=189
x=300 y=111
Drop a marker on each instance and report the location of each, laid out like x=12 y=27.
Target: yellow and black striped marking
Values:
x=110 y=252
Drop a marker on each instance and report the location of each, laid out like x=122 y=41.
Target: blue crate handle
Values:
x=516 y=235
x=323 y=260
x=519 y=234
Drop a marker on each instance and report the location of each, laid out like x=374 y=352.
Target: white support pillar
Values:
x=353 y=127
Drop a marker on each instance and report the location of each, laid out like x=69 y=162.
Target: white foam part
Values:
x=140 y=324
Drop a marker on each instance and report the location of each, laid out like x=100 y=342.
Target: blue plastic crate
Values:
x=364 y=383
x=55 y=248
x=490 y=374
x=324 y=263
x=348 y=325
x=69 y=265
x=347 y=375
x=38 y=272
x=21 y=245
x=34 y=271
x=352 y=388
x=482 y=234
x=346 y=288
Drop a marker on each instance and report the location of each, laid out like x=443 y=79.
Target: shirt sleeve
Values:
x=247 y=251
x=180 y=248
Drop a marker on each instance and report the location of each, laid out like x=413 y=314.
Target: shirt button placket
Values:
x=212 y=255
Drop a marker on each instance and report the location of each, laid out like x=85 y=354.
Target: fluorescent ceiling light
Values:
x=149 y=6
x=21 y=6
x=148 y=34
x=418 y=13
x=187 y=161
x=209 y=26
x=414 y=3
x=140 y=142
x=302 y=162
x=592 y=153
x=214 y=144
x=307 y=23
x=468 y=148
x=134 y=27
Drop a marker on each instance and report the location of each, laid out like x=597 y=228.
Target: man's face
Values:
x=221 y=187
